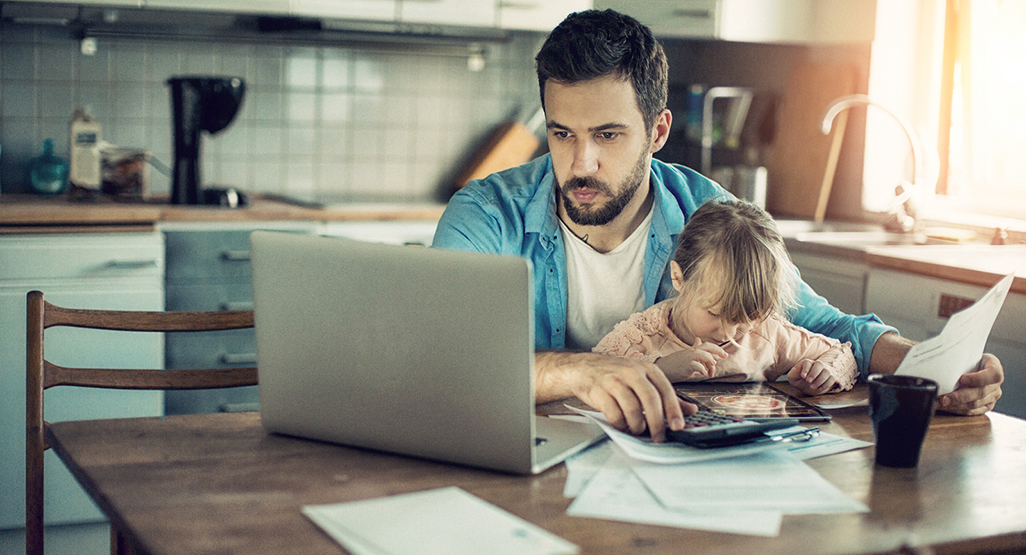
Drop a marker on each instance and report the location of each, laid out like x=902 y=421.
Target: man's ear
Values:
x=676 y=275
x=661 y=131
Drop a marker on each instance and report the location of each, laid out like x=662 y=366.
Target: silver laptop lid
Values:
x=421 y=352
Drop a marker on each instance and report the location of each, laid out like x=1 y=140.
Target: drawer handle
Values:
x=131 y=264
x=238 y=358
x=237 y=305
x=235 y=256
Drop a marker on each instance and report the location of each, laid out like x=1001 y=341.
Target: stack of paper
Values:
x=743 y=490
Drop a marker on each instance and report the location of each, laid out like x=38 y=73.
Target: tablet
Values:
x=751 y=400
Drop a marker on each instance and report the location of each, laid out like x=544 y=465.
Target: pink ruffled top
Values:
x=768 y=351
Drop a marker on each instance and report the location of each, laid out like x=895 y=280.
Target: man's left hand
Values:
x=976 y=391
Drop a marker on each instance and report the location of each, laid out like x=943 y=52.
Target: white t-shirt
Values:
x=602 y=288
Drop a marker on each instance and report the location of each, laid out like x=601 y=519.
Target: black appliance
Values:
x=198 y=104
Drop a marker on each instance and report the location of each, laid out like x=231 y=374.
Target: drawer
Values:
x=216 y=349
x=102 y=256
x=234 y=294
x=210 y=255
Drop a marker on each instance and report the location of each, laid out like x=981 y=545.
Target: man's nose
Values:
x=585 y=159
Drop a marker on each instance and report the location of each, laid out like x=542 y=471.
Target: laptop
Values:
x=416 y=351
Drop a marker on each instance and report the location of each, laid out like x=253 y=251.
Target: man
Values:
x=599 y=218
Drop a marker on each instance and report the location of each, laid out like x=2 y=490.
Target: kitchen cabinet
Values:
x=771 y=21
x=370 y=10
x=919 y=306
x=471 y=13
x=406 y=232
x=275 y=7
x=537 y=15
x=840 y=281
x=208 y=268
x=90 y=270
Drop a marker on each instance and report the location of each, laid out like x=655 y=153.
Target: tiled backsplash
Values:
x=360 y=123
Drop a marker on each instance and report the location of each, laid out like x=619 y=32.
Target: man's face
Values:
x=600 y=149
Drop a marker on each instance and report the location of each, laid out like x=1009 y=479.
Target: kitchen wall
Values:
x=358 y=123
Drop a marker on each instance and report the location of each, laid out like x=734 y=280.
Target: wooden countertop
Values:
x=28 y=213
x=974 y=264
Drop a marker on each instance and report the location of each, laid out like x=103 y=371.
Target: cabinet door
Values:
x=475 y=13
x=537 y=15
x=278 y=7
x=841 y=282
x=370 y=10
x=65 y=502
x=116 y=271
x=671 y=18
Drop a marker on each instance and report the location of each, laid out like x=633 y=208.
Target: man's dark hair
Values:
x=593 y=43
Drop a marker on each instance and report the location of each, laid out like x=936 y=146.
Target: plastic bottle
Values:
x=48 y=173
x=86 y=137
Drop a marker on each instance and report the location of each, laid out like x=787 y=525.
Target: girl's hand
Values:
x=811 y=377
x=685 y=364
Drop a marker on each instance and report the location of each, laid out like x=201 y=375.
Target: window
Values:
x=985 y=72
x=956 y=69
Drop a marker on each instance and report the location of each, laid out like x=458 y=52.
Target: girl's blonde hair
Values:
x=732 y=254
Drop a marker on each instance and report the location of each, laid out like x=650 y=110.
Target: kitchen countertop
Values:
x=32 y=214
x=976 y=264
x=972 y=263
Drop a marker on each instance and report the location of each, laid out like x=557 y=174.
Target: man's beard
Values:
x=606 y=213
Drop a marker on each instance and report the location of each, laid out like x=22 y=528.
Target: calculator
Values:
x=709 y=429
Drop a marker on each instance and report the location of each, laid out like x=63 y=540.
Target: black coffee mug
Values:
x=900 y=408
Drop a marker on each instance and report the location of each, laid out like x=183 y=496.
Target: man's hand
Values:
x=631 y=394
x=976 y=391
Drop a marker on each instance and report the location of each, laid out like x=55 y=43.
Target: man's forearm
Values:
x=553 y=372
x=888 y=352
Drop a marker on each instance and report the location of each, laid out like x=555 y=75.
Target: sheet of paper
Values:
x=441 y=521
x=616 y=493
x=764 y=481
x=671 y=452
x=959 y=346
x=581 y=467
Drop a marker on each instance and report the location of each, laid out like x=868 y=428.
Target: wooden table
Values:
x=219 y=484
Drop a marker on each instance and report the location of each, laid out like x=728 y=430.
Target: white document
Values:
x=765 y=481
x=671 y=452
x=959 y=346
x=618 y=494
x=443 y=521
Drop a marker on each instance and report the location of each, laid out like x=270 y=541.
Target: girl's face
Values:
x=699 y=318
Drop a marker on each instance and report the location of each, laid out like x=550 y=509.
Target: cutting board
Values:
x=510 y=145
x=800 y=155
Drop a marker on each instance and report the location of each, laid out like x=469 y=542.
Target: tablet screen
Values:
x=748 y=400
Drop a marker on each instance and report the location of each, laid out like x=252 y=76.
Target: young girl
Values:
x=734 y=281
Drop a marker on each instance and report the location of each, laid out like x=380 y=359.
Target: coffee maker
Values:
x=198 y=104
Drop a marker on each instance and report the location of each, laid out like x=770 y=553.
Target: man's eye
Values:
x=560 y=134
x=609 y=135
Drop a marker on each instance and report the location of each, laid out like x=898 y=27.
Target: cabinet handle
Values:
x=237 y=305
x=520 y=5
x=235 y=256
x=693 y=14
x=238 y=358
x=131 y=264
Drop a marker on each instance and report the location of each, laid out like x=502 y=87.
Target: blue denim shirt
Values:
x=514 y=213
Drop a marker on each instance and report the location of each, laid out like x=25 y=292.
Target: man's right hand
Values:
x=633 y=395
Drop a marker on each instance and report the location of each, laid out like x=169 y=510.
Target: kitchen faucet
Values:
x=904 y=213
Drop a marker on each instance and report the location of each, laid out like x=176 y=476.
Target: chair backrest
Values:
x=42 y=374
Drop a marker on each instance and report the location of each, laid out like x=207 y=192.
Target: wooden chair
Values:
x=41 y=375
